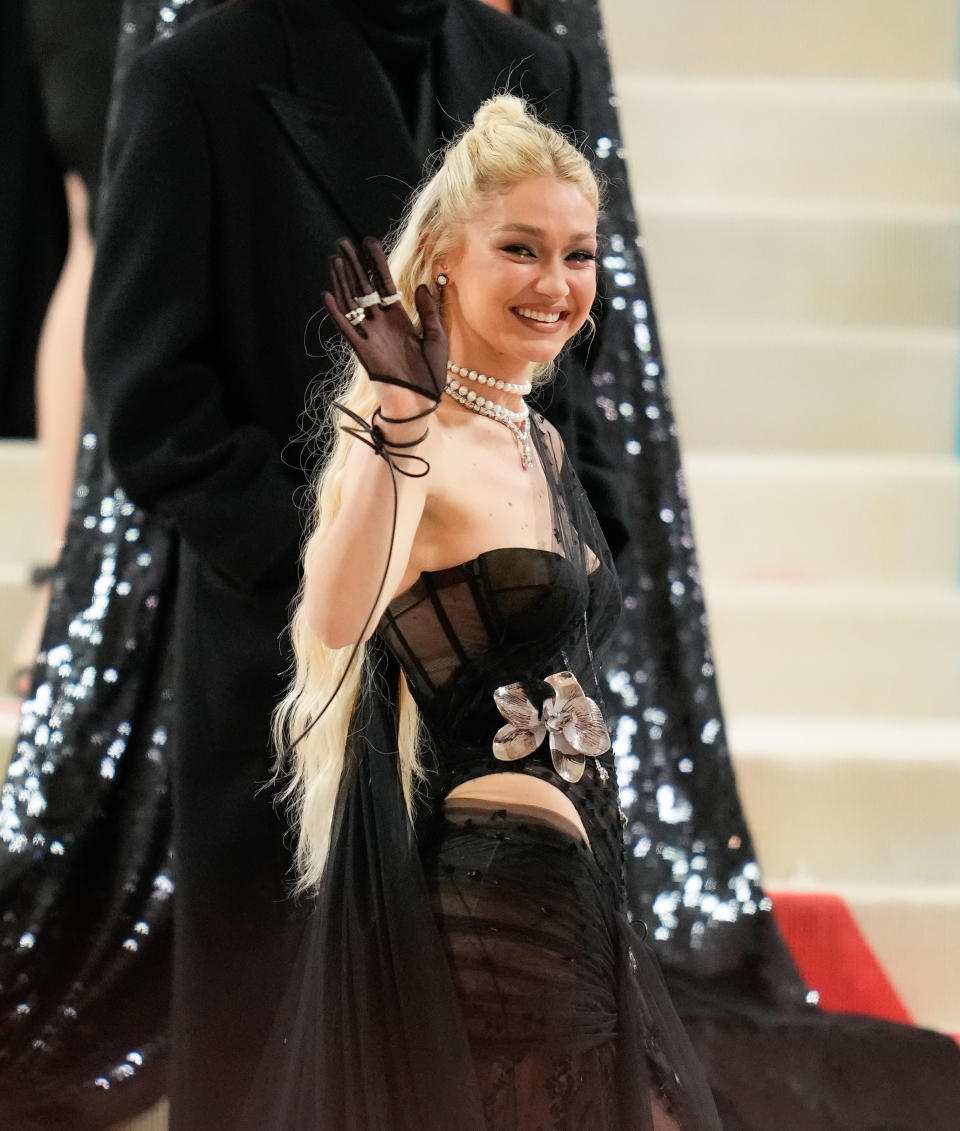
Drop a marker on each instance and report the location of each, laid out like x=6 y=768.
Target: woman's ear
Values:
x=439 y=274
x=443 y=255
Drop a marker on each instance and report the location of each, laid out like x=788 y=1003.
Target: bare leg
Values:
x=662 y=1120
x=60 y=377
x=59 y=391
x=501 y=5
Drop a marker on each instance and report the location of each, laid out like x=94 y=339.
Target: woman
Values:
x=509 y=990
x=75 y=54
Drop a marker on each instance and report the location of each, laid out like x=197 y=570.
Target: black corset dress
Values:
x=515 y=615
x=509 y=615
x=479 y=971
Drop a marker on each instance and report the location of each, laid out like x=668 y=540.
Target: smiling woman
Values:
x=508 y=179
x=451 y=777
x=523 y=277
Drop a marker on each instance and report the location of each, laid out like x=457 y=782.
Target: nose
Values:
x=552 y=279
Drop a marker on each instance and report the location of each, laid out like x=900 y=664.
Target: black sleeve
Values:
x=571 y=407
x=162 y=406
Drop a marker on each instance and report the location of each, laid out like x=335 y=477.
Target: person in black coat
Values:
x=247 y=145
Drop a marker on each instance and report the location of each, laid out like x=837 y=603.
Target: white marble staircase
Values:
x=23 y=543
x=797 y=169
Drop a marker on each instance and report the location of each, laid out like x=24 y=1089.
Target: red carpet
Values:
x=834 y=957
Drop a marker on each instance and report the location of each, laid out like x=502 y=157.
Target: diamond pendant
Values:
x=526 y=451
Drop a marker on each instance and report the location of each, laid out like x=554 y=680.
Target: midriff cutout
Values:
x=509 y=789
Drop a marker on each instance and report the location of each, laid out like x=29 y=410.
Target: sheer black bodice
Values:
x=514 y=614
x=509 y=612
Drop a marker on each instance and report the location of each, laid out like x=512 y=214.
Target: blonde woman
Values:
x=469 y=963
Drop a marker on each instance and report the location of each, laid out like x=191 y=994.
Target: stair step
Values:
x=816 y=39
x=854 y=738
x=834 y=141
x=913 y=930
x=9 y=721
x=156 y=1119
x=788 y=263
x=16 y=605
x=847 y=801
x=22 y=518
x=837 y=650
x=826 y=519
x=748 y=388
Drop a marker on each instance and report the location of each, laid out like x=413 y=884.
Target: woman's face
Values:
x=523 y=278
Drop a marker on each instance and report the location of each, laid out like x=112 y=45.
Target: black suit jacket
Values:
x=247 y=145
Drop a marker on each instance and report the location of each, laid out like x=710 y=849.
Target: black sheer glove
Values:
x=368 y=312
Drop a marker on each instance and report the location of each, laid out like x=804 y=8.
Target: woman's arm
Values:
x=348 y=580
x=344 y=565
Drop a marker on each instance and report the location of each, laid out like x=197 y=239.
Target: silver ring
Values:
x=355 y=317
x=364 y=301
x=389 y=300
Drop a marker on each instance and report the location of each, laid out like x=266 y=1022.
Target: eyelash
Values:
x=579 y=256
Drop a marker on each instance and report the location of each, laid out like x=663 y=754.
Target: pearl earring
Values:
x=442 y=280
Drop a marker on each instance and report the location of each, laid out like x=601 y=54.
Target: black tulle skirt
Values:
x=566 y=1016
x=476 y=977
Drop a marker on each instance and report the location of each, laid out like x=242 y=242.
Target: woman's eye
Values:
x=584 y=257
x=517 y=249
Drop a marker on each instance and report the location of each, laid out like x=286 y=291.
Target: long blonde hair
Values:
x=505 y=145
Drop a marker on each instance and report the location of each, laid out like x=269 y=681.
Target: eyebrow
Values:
x=532 y=230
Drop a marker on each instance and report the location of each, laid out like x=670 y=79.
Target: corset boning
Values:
x=508 y=616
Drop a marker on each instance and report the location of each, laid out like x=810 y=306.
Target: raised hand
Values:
x=365 y=306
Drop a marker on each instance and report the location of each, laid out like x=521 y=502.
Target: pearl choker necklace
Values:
x=516 y=422
x=522 y=389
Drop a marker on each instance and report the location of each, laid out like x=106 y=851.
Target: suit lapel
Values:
x=342 y=118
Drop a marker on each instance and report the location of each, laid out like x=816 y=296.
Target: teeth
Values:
x=538 y=316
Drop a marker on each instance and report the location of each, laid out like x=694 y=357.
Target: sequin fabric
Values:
x=692 y=873
x=86 y=876
x=85 y=872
